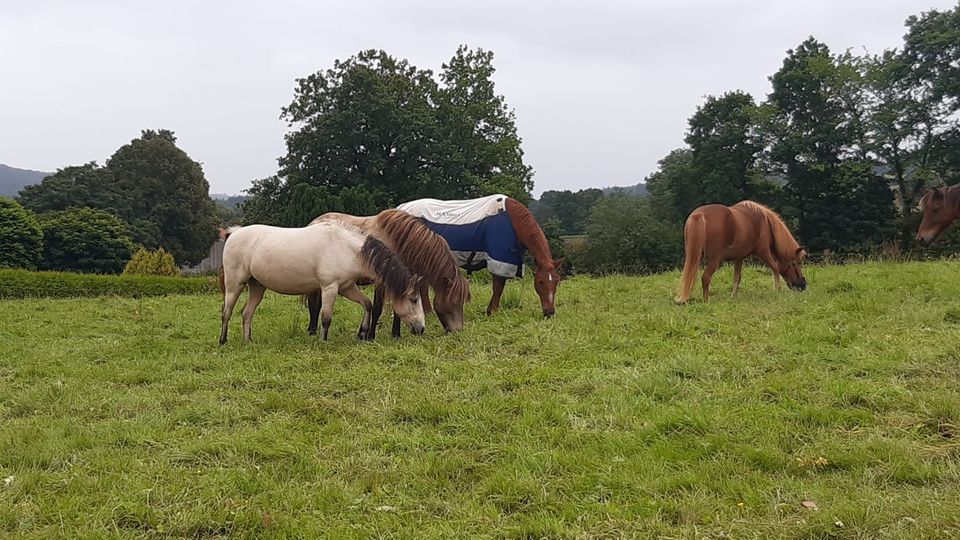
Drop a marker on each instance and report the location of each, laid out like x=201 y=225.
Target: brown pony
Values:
x=721 y=233
x=940 y=208
x=423 y=252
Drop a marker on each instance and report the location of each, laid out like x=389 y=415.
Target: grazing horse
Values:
x=723 y=233
x=422 y=251
x=329 y=258
x=940 y=207
x=493 y=233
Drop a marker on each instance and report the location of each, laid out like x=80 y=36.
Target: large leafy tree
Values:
x=21 y=238
x=675 y=187
x=820 y=146
x=723 y=140
x=624 y=235
x=168 y=196
x=85 y=185
x=374 y=131
x=85 y=240
x=480 y=146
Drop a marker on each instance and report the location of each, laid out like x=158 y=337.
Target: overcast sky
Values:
x=601 y=89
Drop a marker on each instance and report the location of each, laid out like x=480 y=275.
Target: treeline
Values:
x=843 y=147
x=93 y=218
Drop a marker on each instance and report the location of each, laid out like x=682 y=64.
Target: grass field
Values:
x=832 y=413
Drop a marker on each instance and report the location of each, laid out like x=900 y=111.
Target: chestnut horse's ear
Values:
x=801 y=253
x=557 y=263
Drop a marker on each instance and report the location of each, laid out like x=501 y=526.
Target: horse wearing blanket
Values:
x=493 y=233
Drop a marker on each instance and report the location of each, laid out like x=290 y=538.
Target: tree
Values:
x=674 y=188
x=570 y=209
x=624 y=236
x=724 y=143
x=820 y=145
x=85 y=185
x=481 y=151
x=932 y=50
x=21 y=238
x=375 y=131
x=85 y=240
x=168 y=196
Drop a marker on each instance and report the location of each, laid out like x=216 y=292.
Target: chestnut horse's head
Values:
x=939 y=212
x=791 y=271
x=546 y=277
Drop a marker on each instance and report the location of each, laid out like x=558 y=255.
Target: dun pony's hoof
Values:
x=680 y=301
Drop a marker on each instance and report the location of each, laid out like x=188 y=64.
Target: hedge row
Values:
x=27 y=284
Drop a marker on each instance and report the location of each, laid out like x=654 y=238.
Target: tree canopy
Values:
x=21 y=238
x=374 y=131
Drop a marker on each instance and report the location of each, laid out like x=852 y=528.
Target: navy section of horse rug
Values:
x=479 y=232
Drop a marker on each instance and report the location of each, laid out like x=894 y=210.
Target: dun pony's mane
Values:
x=424 y=252
x=784 y=244
x=529 y=232
x=386 y=265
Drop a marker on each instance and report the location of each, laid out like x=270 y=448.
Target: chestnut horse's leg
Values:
x=254 y=295
x=737 y=267
x=712 y=264
x=768 y=259
x=498 y=283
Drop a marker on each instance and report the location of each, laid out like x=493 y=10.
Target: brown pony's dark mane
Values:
x=785 y=246
x=387 y=266
x=529 y=232
x=424 y=252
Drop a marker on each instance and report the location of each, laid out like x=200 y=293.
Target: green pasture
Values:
x=833 y=413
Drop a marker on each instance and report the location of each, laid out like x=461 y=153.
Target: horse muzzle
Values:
x=799 y=286
x=417 y=329
x=549 y=313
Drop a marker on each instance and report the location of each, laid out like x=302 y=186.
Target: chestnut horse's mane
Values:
x=424 y=252
x=529 y=232
x=785 y=246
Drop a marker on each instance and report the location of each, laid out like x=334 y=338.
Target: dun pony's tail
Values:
x=224 y=234
x=694 y=237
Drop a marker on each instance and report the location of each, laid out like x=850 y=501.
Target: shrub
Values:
x=151 y=263
x=27 y=284
x=21 y=238
x=624 y=236
x=85 y=240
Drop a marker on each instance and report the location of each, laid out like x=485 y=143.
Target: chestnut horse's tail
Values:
x=694 y=238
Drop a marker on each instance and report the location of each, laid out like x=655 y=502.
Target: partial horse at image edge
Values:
x=720 y=233
x=940 y=207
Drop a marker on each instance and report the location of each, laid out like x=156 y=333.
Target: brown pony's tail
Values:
x=694 y=237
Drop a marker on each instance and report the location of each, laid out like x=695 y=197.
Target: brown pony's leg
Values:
x=375 y=312
x=254 y=295
x=737 y=267
x=498 y=284
x=712 y=264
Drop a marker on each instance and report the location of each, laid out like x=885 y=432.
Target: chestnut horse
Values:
x=526 y=235
x=423 y=252
x=724 y=233
x=940 y=207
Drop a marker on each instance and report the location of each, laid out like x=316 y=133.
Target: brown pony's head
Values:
x=545 y=280
x=451 y=294
x=939 y=212
x=791 y=272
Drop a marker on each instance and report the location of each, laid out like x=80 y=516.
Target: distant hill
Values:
x=12 y=179
x=230 y=201
x=638 y=190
